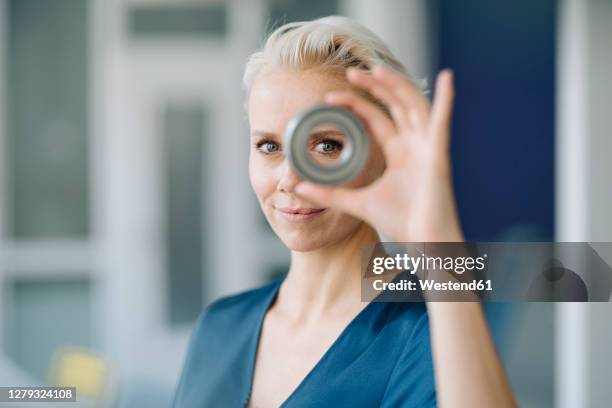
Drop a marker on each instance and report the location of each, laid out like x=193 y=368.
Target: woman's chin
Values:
x=307 y=239
x=302 y=241
x=303 y=245
x=304 y=248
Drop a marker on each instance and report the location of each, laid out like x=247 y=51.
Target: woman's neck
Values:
x=327 y=280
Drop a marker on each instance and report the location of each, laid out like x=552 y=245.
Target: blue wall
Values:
x=503 y=56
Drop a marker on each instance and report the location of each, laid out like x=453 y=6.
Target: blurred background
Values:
x=125 y=205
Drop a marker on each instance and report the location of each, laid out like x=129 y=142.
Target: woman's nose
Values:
x=288 y=178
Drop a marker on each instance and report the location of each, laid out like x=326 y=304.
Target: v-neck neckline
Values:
x=255 y=345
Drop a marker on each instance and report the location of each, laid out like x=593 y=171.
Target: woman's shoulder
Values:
x=238 y=307
x=222 y=332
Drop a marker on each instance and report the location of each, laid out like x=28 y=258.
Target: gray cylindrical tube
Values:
x=355 y=150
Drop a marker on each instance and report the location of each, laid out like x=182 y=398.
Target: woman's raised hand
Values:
x=413 y=200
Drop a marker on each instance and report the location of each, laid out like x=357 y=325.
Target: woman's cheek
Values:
x=262 y=179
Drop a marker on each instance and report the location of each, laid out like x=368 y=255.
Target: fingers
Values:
x=378 y=124
x=342 y=198
x=405 y=91
x=364 y=80
x=442 y=109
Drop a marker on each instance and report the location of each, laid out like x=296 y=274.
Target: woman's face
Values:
x=276 y=96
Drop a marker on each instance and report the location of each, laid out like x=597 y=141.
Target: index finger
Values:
x=379 y=125
x=404 y=89
x=443 y=107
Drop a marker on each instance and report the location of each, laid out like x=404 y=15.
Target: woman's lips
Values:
x=300 y=214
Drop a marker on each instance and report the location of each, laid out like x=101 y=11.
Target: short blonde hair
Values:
x=330 y=44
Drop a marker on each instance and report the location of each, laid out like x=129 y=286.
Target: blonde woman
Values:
x=306 y=339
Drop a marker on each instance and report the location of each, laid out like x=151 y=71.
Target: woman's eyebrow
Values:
x=324 y=133
x=262 y=133
x=319 y=133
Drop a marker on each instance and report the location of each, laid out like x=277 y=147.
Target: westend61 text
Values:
x=432 y=285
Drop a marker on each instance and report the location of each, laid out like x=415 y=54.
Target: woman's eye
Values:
x=267 y=147
x=328 y=146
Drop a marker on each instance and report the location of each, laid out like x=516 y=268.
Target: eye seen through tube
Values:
x=326 y=144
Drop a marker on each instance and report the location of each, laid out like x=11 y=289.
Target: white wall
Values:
x=600 y=184
x=584 y=192
x=138 y=77
x=408 y=27
x=130 y=81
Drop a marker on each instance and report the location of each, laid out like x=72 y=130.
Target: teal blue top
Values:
x=381 y=359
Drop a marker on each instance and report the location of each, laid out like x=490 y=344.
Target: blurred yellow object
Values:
x=80 y=368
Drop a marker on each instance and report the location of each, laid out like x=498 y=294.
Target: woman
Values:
x=306 y=339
